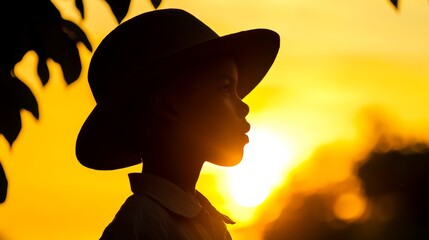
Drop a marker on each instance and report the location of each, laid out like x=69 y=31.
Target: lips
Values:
x=245 y=138
x=246 y=127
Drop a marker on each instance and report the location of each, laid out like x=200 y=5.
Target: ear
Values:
x=164 y=105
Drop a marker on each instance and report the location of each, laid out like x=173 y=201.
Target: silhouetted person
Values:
x=168 y=92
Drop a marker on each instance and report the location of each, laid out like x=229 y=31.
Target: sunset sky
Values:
x=348 y=74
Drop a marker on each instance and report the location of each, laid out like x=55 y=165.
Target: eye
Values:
x=226 y=90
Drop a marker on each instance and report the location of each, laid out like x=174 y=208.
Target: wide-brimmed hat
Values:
x=139 y=48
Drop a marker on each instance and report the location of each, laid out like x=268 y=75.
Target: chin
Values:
x=229 y=159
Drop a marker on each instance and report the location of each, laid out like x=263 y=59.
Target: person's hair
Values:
x=138 y=119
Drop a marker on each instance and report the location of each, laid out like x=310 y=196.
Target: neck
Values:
x=180 y=173
x=168 y=157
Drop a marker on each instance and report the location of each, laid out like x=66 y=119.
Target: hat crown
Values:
x=142 y=41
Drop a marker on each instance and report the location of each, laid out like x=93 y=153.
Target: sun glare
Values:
x=265 y=163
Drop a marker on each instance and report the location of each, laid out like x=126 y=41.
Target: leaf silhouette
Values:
x=53 y=37
x=42 y=67
x=76 y=33
x=42 y=70
x=79 y=6
x=15 y=30
x=3 y=184
x=45 y=36
x=14 y=96
x=119 y=8
x=39 y=26
x=156 y=3
x=25 y=98
x=10 y=122
x=60 y=48
x=395 y=3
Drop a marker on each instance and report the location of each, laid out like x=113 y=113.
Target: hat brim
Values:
x=98 y=145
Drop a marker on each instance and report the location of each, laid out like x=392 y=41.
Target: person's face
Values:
x=211 y=115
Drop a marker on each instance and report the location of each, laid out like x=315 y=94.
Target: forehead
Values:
x=217 y=65
x=187 y=78
x=210 y=70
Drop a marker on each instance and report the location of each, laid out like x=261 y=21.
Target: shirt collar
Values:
x=172 y=197
x=165 y=193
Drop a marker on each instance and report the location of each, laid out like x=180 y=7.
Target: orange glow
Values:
x=264 y=166
x=349 y=206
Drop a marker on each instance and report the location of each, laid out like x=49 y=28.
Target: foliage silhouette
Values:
x=395 y=185
x=395 y=3
x=3 y=185
x=38 y=26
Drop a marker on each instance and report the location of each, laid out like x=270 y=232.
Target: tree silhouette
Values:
x=38 y=26
x=395 y=185
x=395 y=3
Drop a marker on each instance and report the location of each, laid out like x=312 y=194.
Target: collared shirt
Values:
x=158 y=209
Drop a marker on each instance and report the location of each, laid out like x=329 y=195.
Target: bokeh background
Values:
x=351 y=80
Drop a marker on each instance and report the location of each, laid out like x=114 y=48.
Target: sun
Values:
x=265 y=164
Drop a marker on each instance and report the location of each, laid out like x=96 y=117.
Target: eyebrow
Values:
x=229 y=79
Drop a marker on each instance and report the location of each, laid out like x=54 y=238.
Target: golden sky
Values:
x=347 y=72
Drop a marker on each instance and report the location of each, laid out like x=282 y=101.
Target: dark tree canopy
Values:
x=396 y=186
x=29 y=25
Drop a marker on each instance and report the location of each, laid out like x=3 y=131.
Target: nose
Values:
x=243 y=109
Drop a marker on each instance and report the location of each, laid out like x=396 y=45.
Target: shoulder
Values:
x=140 y=217
x=142 y=206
